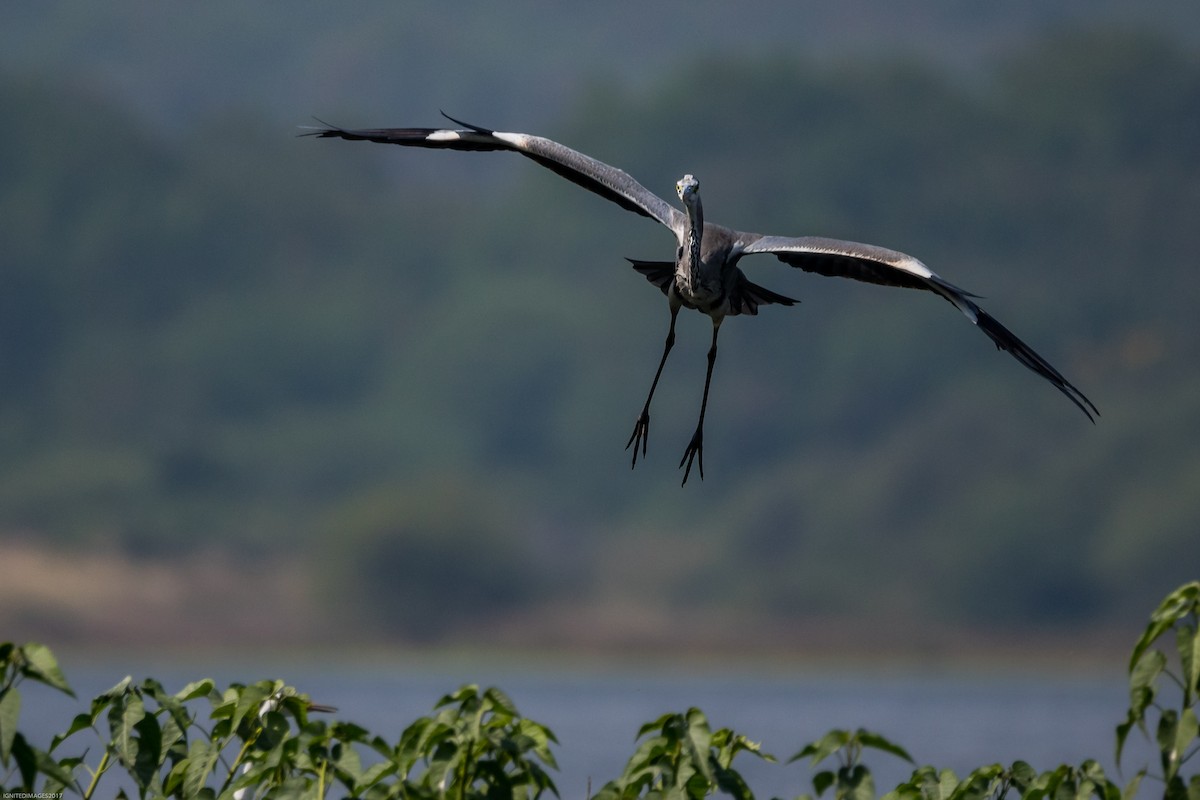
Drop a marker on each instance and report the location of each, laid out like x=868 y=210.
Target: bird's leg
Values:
x=695 y=447
x=641 y=430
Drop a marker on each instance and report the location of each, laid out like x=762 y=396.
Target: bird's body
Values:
x=705 y=275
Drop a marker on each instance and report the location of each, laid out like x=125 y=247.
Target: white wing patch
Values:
x=443 y=136
x=517 y=140
x=912 y=265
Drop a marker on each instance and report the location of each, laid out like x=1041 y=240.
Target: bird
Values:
x=705 y=275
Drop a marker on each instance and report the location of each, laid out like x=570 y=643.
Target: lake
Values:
x=952 y=718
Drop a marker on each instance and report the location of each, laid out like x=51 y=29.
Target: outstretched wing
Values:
x=872 y=264
x=595 y=176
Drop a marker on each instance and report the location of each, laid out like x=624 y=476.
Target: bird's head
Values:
x=687 y=188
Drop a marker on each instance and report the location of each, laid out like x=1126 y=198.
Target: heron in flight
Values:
x=705 y=275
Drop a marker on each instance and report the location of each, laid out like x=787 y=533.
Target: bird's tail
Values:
x=660 y=273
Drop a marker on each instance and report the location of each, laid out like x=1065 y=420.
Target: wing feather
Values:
x=607 y=181
x=873 y=264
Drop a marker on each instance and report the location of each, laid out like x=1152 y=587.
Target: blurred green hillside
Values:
x=420 y=381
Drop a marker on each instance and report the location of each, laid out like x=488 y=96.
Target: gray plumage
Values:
x=705 y=275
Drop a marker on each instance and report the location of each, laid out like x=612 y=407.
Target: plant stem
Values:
x=100 y=768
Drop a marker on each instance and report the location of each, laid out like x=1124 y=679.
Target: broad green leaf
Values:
x=10 y=714
x=41 y=665
x=822 y=781
x=112 y=694
x=27 y=759
x=980 y=783
x=122 y=718
x=1187 y=731
x=855 y=783
x=202 y=756
x=1142 y=679
x=249 y=701
x=657 y=725
x=1022 y=774
x=105 y=700
x=1131 y=789
x=1187 y=641
x=874 y=740
x=374 y=774
x=1174 y=733
x=731 y=782
x=947 y=782
x=1123 y=730
x=175 y=776
x=173 y=732
x=150 y=755
x=60 y=772
x=1176 y=606
x=81 y=722
x=195 y=689
x=821 y=749
x=348 y=762
x=699 y=739
x=501 y=701
x=464 y=694
x=348 y=732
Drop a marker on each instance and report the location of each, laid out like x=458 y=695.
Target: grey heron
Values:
x=705 y=275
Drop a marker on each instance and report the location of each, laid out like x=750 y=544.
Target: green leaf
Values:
x=1123 y=730
x=1176 y=606
x=105 y=698
x=41 y=665
x=60 y=772
x=122 y=718
x=27 y=761
x=821 y=749
x=249 y=700
x=822 y=781
x=699 y=739
x=855 y=783
x=202 y=756
x=500 y=701
x=1142 y=679
x=1187 y=731
x=464 y=694
x=195 y=689
x=175 y=776
x=1131 y=789
x=1187 y=641
x=874 y=740
x=149 y=751
x=657 y=725
x=10 y=713
x=979 y=784
x=1175 y=732
x=81 y=722
x=374 y=774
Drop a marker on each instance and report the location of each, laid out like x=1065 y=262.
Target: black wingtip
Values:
x=1007 y=340
x=466 y=125
x=326 y=131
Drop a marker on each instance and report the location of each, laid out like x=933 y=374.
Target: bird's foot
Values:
x=641 y=433
x=695 y=449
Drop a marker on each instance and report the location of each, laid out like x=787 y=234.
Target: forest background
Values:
x=266 y=389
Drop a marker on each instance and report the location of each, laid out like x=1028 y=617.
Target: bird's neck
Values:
x=689 y=268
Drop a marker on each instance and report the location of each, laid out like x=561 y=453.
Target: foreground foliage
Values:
x=258 y=740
